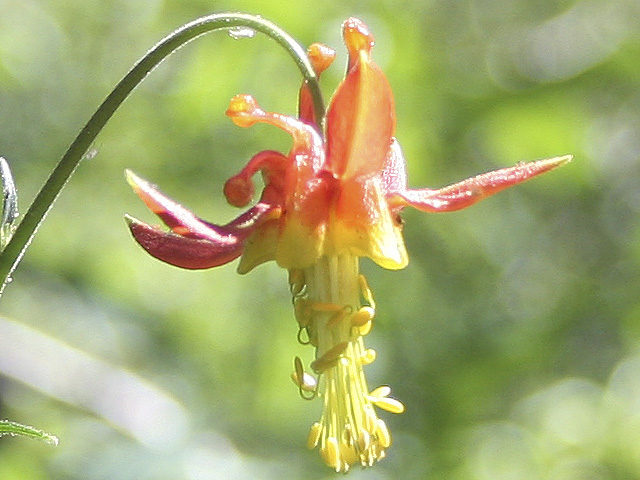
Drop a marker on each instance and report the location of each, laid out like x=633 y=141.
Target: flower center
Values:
x=327 y=301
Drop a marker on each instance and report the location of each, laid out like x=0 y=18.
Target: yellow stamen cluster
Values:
x=327 y=304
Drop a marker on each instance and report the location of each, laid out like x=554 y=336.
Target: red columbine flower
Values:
x=335 y=197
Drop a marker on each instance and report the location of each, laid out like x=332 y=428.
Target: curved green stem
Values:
x=24 y=233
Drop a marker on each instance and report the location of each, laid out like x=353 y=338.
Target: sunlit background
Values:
x=513 y=337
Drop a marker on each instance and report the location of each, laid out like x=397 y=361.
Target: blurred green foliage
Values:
x=513 y=337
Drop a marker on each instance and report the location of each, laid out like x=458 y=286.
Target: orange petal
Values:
x=361 y=117
x=363 y=225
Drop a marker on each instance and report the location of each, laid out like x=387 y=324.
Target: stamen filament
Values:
x=327 y=303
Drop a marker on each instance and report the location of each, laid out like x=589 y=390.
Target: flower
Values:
x=335 y=197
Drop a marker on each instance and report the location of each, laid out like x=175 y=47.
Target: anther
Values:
x=365 y=329
x=366 y=291
x=389 y=404
x=296 y=282
x=381 y=391
x=307 y=385
x=370 y=419
x=238 y=191
x=302 y=378
x=364 y=440
x=368 y=356
x=379 y=397
x=382 y=432
x=339 y=316
x=362 y=316
x=347 y=436
x=331 y=453
x=321 y=56
x=348 y=455
x=329 y=358
x=314 y=435
x=244 y=110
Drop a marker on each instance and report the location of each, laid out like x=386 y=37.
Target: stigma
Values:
x=334 y=308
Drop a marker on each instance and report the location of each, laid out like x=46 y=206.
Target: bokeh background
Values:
x=513 y=337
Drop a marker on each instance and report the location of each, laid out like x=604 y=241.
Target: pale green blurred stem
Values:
x=13 y=429
x=9 y=204
x=24 y=233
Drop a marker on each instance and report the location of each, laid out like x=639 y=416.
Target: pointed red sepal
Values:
x=466 y=193
x=192 y=243
x=181 y=251
x=175 y=216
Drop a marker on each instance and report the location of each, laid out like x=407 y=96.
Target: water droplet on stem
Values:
x=241 y=32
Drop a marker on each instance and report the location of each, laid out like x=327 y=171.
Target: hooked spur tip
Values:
x=357 y=36
x=243 y=110
x=321 y=56
x=238 y=191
